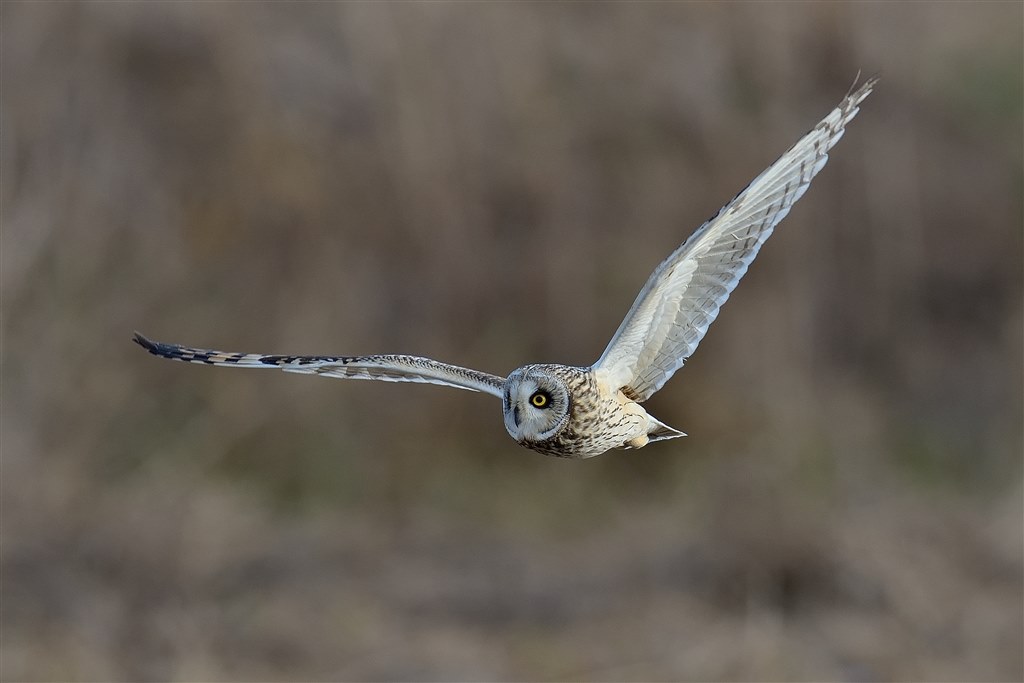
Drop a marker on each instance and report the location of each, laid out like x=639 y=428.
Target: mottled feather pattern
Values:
x=597 y=422
x=574 y=412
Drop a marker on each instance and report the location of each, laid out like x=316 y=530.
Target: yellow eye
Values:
x=539 y=400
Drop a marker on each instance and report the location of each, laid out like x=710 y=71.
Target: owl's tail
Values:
x=659 y=431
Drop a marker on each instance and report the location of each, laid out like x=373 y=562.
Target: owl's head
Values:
x=536 y=404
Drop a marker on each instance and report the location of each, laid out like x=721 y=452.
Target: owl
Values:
x=580 y=412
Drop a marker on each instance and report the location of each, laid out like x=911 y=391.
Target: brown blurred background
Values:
x=490 y=184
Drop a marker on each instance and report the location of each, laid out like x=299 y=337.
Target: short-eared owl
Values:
x=581 y=412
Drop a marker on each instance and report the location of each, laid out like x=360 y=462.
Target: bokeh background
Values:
x=490 y=184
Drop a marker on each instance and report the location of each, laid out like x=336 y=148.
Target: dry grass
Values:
x=490 y=184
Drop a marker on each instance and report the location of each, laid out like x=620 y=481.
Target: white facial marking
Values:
x=535 y=405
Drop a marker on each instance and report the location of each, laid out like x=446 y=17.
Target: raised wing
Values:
x=684 y=294
x=385 y=368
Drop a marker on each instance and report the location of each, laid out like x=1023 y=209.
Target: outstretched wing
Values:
x=391 y=368
x=684 y=294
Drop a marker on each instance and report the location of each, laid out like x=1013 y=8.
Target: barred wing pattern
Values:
x=389 y=368
x=685 y=293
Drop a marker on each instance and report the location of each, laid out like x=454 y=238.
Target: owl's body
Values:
x=575 y=412
x=596 y=418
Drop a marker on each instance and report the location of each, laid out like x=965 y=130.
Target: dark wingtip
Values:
x=141 y=341
x=155 y=348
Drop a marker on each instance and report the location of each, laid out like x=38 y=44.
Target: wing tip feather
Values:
x=154 y=347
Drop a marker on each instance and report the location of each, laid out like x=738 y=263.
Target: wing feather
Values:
x=683 y=296
x=386 y=368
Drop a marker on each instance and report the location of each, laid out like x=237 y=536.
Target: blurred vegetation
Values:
x=490 y=185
